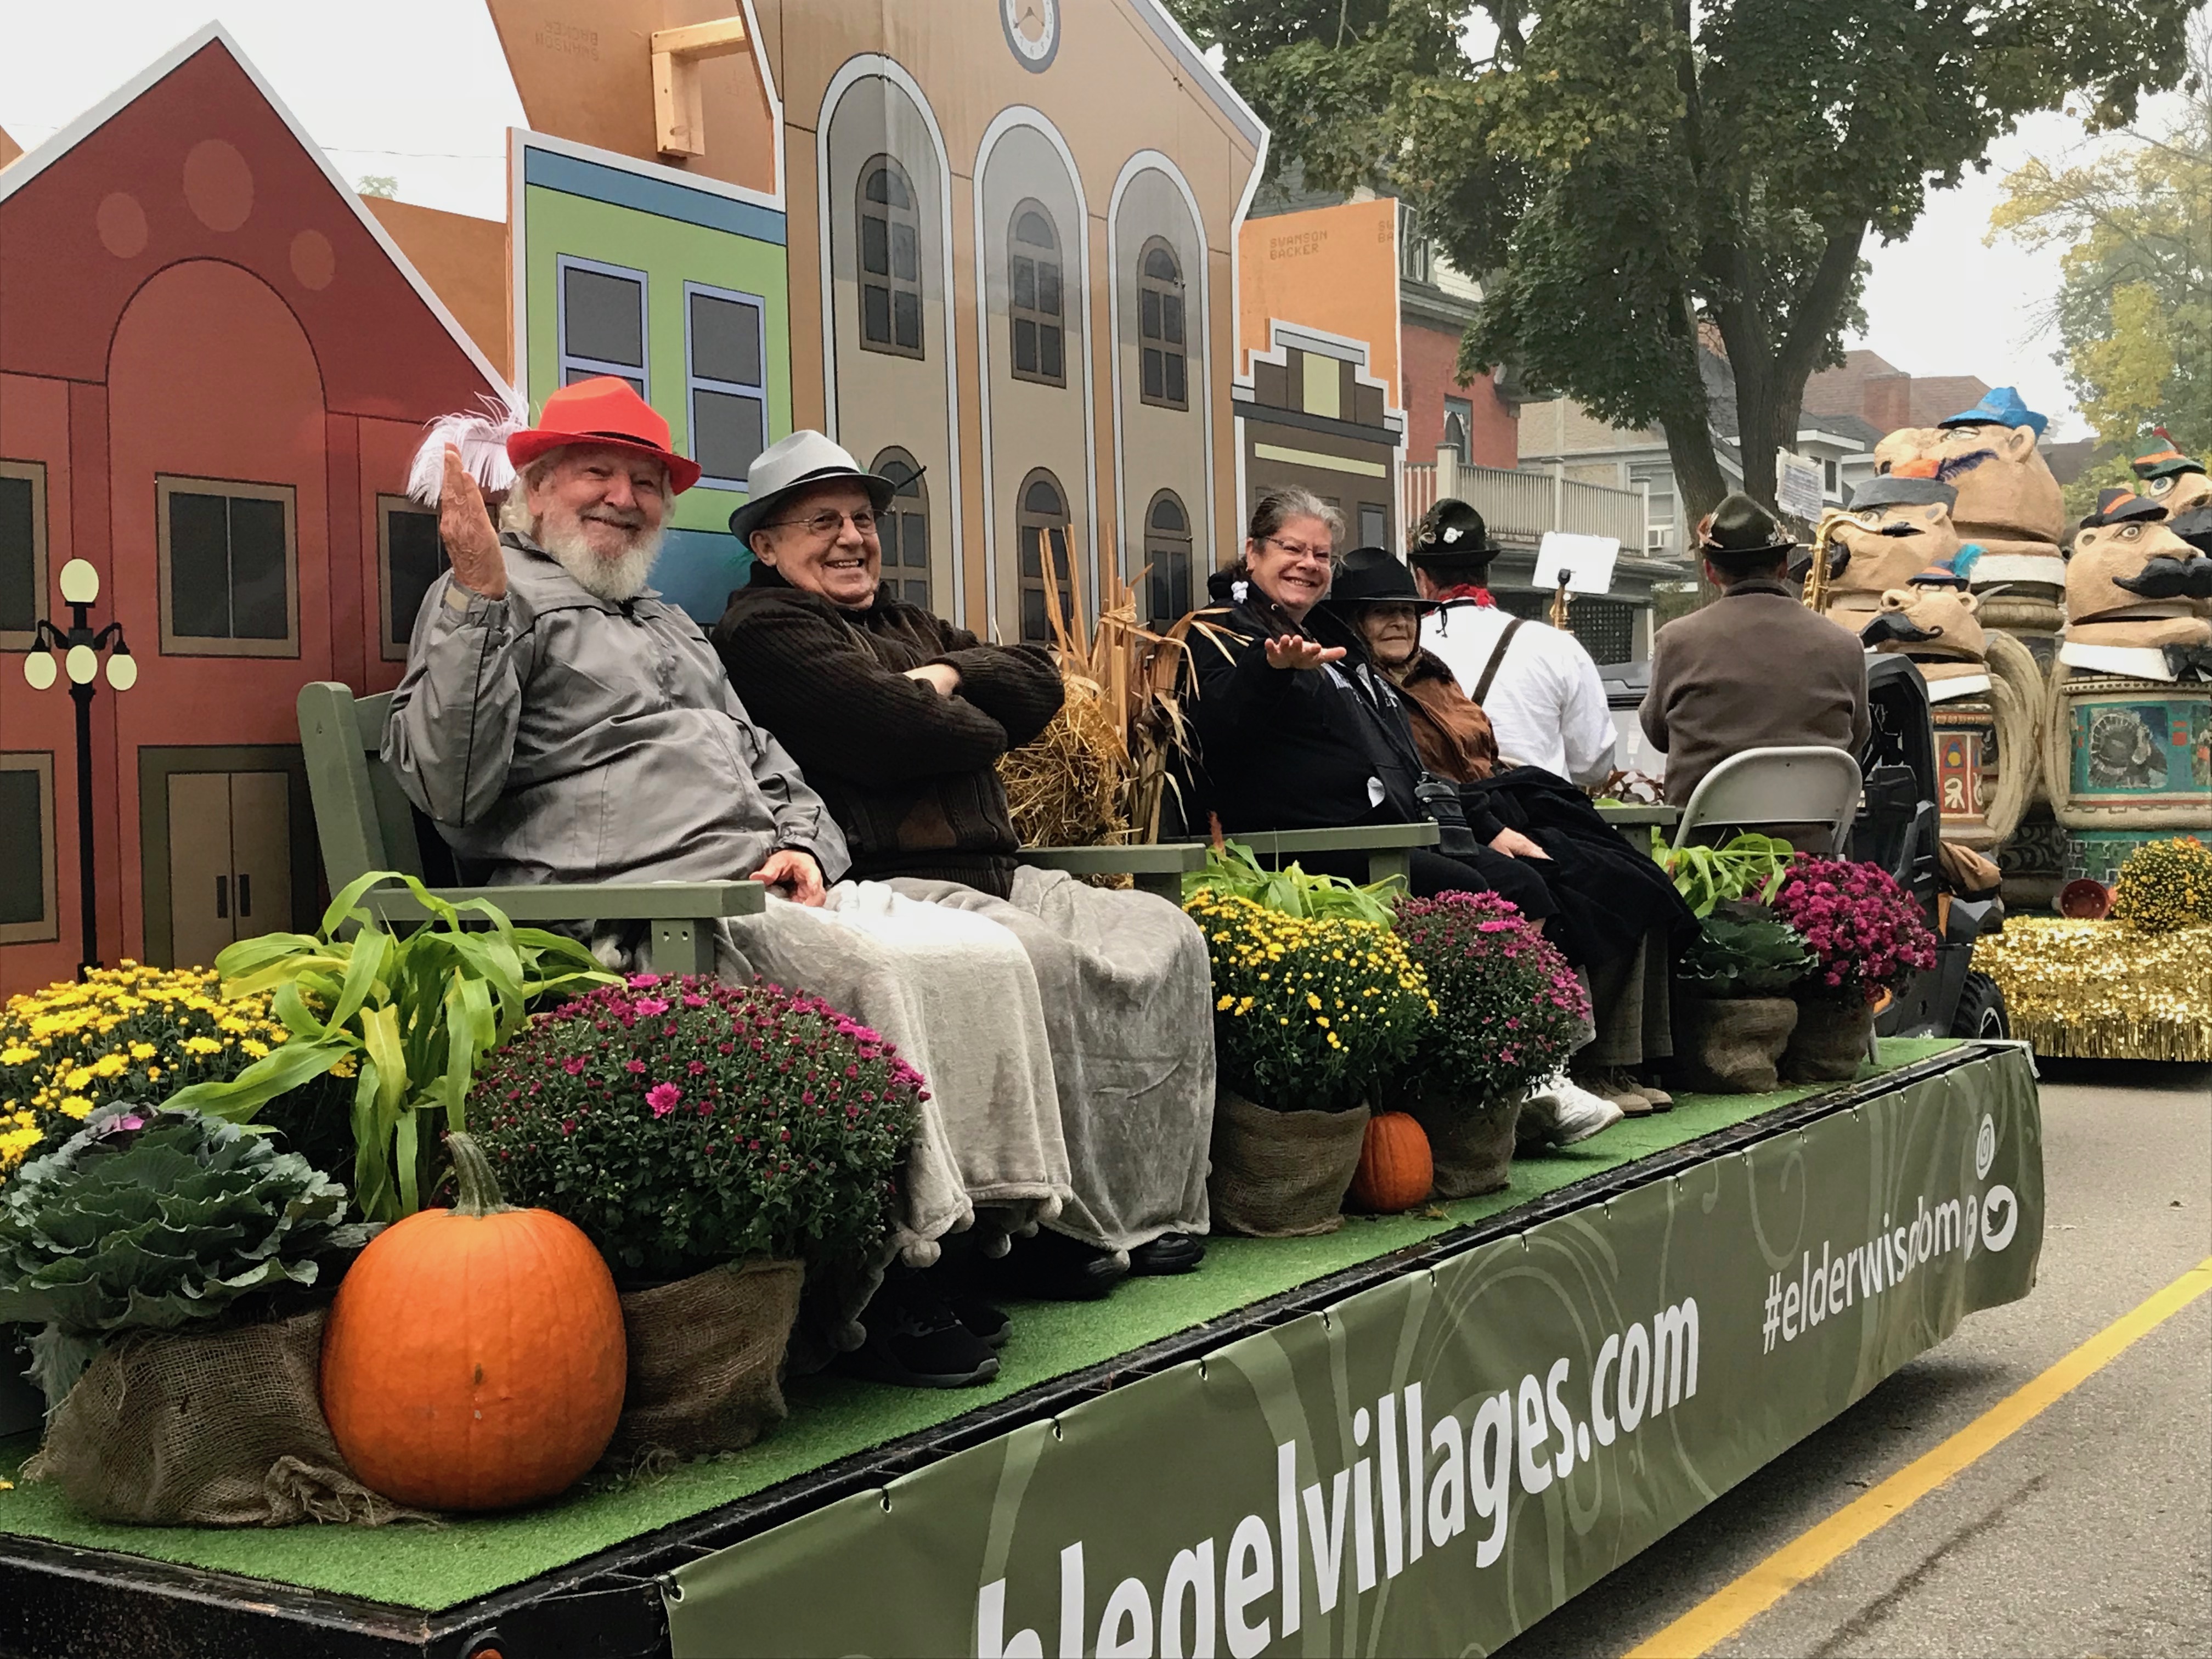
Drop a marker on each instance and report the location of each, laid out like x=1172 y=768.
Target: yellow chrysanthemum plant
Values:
x=128 y=1032
x=2165 y=885
x=1307 y=1010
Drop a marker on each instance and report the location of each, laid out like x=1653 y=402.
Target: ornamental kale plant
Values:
x=1745 y=949
x=683 y=1122
x=1508 y=1006
x=149 y=1219
x=1864 y=931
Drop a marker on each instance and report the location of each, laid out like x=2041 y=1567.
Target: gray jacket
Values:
x=556 y=736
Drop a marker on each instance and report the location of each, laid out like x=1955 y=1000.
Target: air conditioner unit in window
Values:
x=1657 y=538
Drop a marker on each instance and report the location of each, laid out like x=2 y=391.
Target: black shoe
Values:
x=915 y=1342
x=1170 y=1252
x=986 y=1324
x=1053 y=1267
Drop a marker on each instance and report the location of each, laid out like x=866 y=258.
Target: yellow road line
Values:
x=1721 y=1615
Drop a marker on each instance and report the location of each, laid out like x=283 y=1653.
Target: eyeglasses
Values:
x=824 y=525
x=1300 y=550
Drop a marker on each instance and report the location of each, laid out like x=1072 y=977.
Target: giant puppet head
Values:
x=2006 y=499
x=1931 y=618
x=2132 y=581
x=2175 y=481
x=1897 y=526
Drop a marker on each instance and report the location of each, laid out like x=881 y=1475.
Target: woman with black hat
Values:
x=1617 y=913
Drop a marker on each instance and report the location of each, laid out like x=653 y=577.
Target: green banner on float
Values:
x=1433 y=1465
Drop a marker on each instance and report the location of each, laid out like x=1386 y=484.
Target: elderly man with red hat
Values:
x=559 y=722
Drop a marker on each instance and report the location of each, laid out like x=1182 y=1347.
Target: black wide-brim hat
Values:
x=1371 y=575
x=2123 y=506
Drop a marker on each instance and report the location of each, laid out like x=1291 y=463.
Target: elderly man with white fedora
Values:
x=899 y=718
x=559 y=721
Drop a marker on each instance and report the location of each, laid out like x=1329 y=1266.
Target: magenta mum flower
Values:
x=662 y=1098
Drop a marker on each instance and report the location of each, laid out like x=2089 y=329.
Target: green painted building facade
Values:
x=679 y=285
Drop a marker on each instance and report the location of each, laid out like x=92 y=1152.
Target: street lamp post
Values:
x=80 y=648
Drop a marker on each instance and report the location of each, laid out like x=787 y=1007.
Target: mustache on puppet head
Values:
x=1895 y=628
x=1954 y=465
x=2162 y=578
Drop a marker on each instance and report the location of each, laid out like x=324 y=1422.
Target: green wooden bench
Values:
x=365 y=822
x=1642 y=826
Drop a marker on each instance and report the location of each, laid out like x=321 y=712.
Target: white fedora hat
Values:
x=792 y=463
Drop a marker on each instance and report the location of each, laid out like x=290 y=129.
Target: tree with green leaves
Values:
x=1634 y=179
x=2134 y=310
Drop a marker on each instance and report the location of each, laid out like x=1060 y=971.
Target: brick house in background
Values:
x=215 y=365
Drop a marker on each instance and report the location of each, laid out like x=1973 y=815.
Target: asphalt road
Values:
x=2088 y=1532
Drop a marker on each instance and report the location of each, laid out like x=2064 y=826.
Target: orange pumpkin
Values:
x=474 y=1358
x=1396 y=1169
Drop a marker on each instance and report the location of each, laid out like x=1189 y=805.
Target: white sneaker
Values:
x=1563 y=1113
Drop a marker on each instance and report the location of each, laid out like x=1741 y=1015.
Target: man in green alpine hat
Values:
x=1755 y=670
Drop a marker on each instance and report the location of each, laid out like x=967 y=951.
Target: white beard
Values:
x=615 y=580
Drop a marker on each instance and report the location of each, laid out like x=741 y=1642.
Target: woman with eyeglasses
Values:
x=1296 y=728
x=897 y=718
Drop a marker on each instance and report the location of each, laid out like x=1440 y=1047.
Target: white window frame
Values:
x=695 y=381
x=566 y=359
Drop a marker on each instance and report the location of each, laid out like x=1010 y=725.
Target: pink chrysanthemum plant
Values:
x=1509 y=1008
x=683 y=1122
x=1865 y=932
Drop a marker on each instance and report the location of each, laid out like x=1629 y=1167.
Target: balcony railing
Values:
x=1527 y=504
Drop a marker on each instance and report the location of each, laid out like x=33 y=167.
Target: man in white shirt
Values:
x=1538 y=685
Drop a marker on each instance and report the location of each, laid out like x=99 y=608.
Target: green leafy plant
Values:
x=149 y=1219
x=1744 y=949
x=1743 y=866
x=1231 y=870
x=413 y=1014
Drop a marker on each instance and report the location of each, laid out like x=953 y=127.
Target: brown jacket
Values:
x=1449 y=728
x=1752 y=669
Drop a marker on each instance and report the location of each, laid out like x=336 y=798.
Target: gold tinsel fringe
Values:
x=2102 y=990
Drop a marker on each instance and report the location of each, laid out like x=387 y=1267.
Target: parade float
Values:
x=1484 y=1403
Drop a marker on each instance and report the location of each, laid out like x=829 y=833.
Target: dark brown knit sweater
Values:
x=909 y=776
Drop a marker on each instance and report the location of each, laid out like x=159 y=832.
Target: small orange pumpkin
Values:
x=474 y=1358
x=1395 y=1169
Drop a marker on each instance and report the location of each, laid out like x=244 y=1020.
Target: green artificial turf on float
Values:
x=432 y=1567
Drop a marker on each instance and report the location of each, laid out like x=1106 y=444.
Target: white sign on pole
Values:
x=1797 y=485
x=1584 y=561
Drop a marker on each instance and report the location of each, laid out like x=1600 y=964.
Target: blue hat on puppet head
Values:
x=2000 y=406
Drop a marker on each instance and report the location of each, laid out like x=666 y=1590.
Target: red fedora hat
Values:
x=605 y=411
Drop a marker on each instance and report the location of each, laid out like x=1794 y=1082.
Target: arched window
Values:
x=1035 y=301
x=1167 y=556
x=904 y=528
x=1166 y=376
x=891 y=260
x=1042 y=515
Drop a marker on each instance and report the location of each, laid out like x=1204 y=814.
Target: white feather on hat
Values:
x=481 y=436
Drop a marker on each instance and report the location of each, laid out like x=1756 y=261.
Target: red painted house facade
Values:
x=214 y=367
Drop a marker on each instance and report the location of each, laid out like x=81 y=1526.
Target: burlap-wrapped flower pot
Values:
x=220 y=1428
x=1471 y=1144
x=706 y=1361
x=1830 y=1040
x=1281 y=1175
x=1731 y=1045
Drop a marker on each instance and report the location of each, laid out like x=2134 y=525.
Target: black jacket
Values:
x=911 y=776
x=1610 y=894
x=1292 y=748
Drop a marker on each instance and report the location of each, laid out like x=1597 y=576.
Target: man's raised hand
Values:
x=1296 y=651
x=465 y=526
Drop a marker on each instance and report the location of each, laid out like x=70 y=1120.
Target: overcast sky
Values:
x=417 y=90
